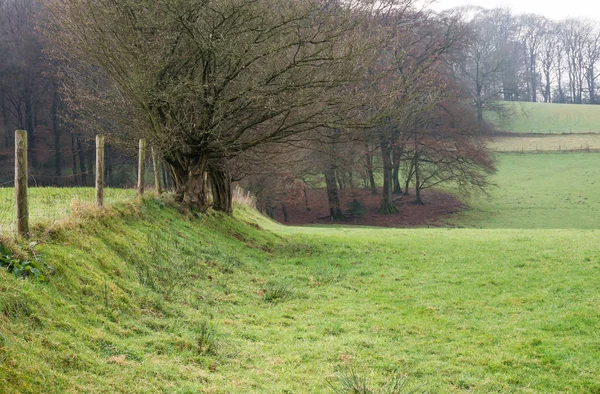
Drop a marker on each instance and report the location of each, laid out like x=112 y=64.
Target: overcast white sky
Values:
x=554 y=9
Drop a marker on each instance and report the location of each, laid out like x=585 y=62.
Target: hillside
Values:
x=550 y=118
x=143 y=299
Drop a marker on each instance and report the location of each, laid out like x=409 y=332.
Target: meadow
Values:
x=545 y=191
x=142 y=299
x=550 y=118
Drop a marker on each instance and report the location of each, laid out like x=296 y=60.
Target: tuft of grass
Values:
x=326 y=274
x=15 y=306
x=206 y=341
x=277 y=292
x=351 y=382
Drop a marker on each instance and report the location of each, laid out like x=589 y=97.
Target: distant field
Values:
x=53 y=203
x=541 y=191
x=551 y=118
x=546 y=143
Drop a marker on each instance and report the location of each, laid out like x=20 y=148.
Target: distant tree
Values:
x=484 y=65
x=533 y=28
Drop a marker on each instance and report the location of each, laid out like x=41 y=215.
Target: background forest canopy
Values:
x=279 y=97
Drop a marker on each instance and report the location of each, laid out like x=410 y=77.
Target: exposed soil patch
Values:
x=438 y=205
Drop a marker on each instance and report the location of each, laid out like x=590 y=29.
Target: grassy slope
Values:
x=541 y=191
x=459 y=310
x=553 y=118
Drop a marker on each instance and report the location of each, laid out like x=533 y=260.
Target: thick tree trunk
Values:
x=306 y=205
x=333 y=196
x=387 y=203
x=396 y=171
x=220 y=182
x=189 y=183
x=285 y=213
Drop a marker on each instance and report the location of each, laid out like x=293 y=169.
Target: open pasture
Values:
x=546 y=143
x=550 y=190
x=291 y=309
x=550 y=118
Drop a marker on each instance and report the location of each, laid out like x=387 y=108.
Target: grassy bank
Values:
x=144 y=300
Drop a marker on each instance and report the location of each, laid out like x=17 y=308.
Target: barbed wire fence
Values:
x=53 y=194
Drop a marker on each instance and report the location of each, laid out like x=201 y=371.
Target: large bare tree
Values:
x=207 y=80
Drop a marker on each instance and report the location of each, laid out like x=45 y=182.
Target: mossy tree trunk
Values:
x=396 y=172
x=189 y=184
x=220 y=182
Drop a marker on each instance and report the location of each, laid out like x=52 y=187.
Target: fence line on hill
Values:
x=24 y=201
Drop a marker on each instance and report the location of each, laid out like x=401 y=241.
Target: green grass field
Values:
x=48 y=204
x=551 y=118
x=553 y=190
x=143 y=299
x=546 y=143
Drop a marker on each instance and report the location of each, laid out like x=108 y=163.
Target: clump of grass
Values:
x=15 y=306
x=166 y=268
x=277 y=292
x=206 y=341
x=351 y=382
x=243 y=197
x=327 y=274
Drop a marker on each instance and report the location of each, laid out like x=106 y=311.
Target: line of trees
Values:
x=528 y=57
x=267 y=94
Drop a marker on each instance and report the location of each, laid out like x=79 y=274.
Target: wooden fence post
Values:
x=99 y=170
x=155 y=163
x=141 y=167
x=21 y=179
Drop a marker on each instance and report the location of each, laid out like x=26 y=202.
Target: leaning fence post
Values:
x=99 y=170
x=21 y=179
x=141 y=167
x=155 y=164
